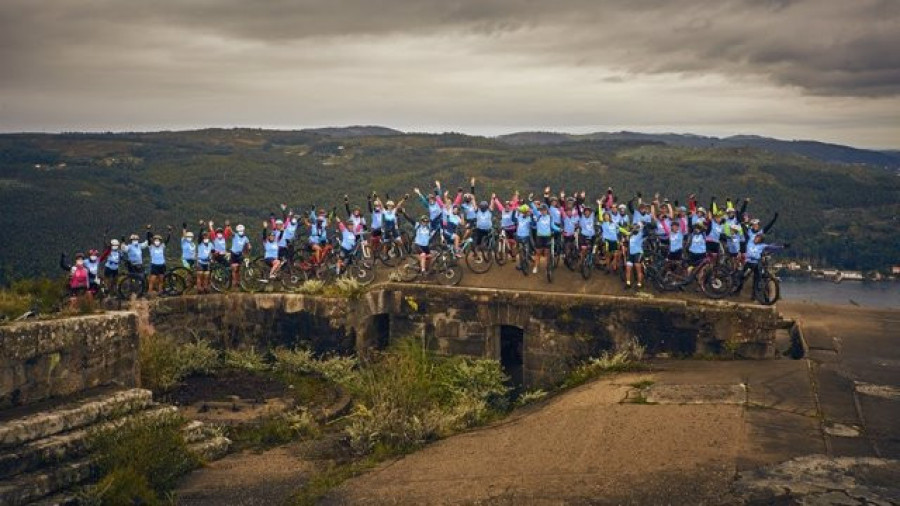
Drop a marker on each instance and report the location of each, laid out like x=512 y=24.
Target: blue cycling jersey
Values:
x=158 y=254
x=698 y=243
x=545 y=226
x=676 y=241
x=188 y=249
x=484 y=220
x=609 y=231
x=423 y=235
x=523 y=227
x=204 y=250
x=587 y=226
x=636 y=242
x=348 y=239
x=113 y=259
x=136 y=253
x=238 y=242
x=271 y=250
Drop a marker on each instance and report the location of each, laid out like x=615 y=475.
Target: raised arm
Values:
x=770 y=224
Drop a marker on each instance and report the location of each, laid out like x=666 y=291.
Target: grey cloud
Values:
x=826 y=47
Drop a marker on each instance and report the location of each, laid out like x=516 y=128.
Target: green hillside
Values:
x=61 y=192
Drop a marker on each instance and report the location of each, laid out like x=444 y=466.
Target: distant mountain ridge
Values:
x=354 y=131
x=811 y=149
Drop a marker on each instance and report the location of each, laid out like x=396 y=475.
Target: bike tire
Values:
x=769 y=291
x=409 y=271
x=219 y=277
x=174 y=284
x=129 y=285
x=501 y=253
x=394 y=255
x=450 y=274
x=187 y=275
x=717 y=282
x=476 y=264
x=253 y=275
x=587 y=266
x=363 y=271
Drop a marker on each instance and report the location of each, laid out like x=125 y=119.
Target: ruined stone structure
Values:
x=61 y=378
x=537 y=335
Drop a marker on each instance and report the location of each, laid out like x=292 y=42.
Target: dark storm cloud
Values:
x=825 y=47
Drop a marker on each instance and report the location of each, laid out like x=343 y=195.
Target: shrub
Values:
x=409 y=396
x=13 y=305
x=311 y=287
x=346 y=287
x=164 y=363
x=626 y=359
x=276 y=430
x=120 y=486
x=142 y=452
x=247 y=360
x=531 y=396
x=335 y=368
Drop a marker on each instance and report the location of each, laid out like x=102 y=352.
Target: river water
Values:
x=875 y=295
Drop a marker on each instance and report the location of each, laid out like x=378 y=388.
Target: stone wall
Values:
x=561 y=329
x=57 y=358
x=261 y=321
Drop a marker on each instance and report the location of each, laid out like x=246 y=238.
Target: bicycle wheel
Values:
x=254 y=275
x=501 y=252
x=173 y=284
x=478 y=259
x=131 y=284
x=587 y=265
x=219 y=277
x=409 y=270
x=523 y=260
x=448 y=273
x=187 y=276
x=292 y=277
x=550 y=266
x=717 y=282
x=769 y=290
x=362 y=270
x=393 y=255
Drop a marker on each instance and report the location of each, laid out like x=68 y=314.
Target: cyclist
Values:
x=422 y=240
x=220 y=246
x=641 y=214
x=157 y=251
x=524 y=224
x=348 y=242
x=734 y=235
x=204 y=256
x=356 y=220
x=714 y=232
x=470 y=208
x=188 y=248
x=240 y=245
x=556 y=211
x=484 y=224
x=545 y=230
x=79 y=283
x=375 y=209
x=570 y=220
x=135 y=253
x=676 y=243
x=609 y=231
x=111 y=258
x=391 y=226
x=318 y=232
x=92 y=262
x=620 y=216
x=635 y=255
x=452 y=224
x=755 y=250
x=586 y=226
x=697 y=244
x=271 y=249
x=434 y=205
x=507 y=216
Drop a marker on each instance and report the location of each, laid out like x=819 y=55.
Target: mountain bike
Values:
x=441 y=265
x=587 y=263
x=552 y=259
x=767 y=290
x=479 y=257
x=132 y=283
x=361 y=268
x=523 y=252
x=713 y=279
x=220 y=274
x=570 y=253
x=504 y=247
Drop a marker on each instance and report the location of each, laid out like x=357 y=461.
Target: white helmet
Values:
x=188 y=235
x=114 y=243
x=239 y=229
x=622 y=207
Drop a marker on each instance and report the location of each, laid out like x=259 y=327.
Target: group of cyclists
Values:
x=674 y=244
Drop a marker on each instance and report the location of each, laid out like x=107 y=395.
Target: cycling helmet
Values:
x=543 y=207
x=682 y=209
x=93 y=252
x=389 y=203
x=272 y=234
x=483 y=205
x=700 y=210
x=239 y=229
x=79 y=256
x=114 y=243
x=754 y=221
x=279 y=222
x=134 y=237
x=735 y=227
x=423 y=218
x=523 y=209
x=730 y=210
x=189 y=235
x=622 y=207
x=157 y=237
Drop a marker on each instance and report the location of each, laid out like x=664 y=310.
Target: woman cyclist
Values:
x=79 y=279
x=545 y=229
x=157 y=251
x=270 y=250
x=240 y=245
x=204 y=257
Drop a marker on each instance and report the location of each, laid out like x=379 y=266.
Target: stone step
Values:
x=73 y=416
x=65 y=446
x=211 y=449
x=27 y=488
x=196 y=431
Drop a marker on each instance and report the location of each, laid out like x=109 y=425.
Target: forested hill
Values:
x=60 y=193
x=814 y=150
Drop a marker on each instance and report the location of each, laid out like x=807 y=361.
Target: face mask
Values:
x=205 y=241
x=79 y=262
x=135 y=242
x=293 y=222
x=156 y=243
x=220 y=236
x=93 y=258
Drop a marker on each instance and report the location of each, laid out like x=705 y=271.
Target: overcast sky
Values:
x=814 y=69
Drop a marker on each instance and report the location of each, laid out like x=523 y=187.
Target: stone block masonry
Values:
x=57 y=358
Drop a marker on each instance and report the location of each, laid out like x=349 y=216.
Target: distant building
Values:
x=895 y=269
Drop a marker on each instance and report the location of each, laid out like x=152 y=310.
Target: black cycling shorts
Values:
x=585 y=241
x=696 y=258
x=611 y=246
x=237 y=258
x=635 y=258
x=542 y=242
x=712 y=247
x=203 y=267
x=157 y=270
x=674 y=255
x=110 y=273
x=423 y=249
x=270 y=261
